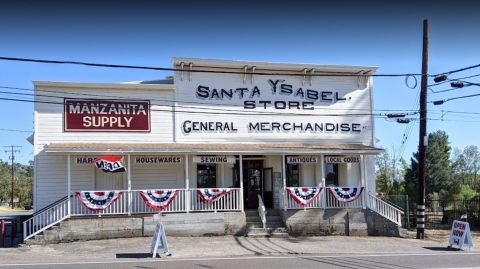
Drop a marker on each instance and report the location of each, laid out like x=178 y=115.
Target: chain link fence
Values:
x=439 y=214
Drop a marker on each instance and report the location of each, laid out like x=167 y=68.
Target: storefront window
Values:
x=293 y=175
x=331 y=174
x=206 y=175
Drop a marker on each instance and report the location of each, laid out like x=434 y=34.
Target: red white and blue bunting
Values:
x=158 y=199
x=304 y=195
x=346 y=194
x=98 y=200
x=209 y=195
x=110 y=164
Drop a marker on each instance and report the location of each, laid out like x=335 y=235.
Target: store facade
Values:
x=247 y=130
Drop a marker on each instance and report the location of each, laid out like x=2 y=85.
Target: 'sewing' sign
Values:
x=106 y=115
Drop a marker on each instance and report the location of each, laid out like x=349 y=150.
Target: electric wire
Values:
x=92 y=95
x=45 y=61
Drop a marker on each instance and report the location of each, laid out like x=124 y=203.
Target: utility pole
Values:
x=12 y=151
x=423 y=139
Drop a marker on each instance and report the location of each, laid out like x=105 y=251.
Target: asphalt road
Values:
x=437 y=259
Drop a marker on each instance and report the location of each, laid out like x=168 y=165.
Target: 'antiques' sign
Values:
x=106 y=115
x=342 y=159
x=157 y=160
x=213 y=159
x=301 y=159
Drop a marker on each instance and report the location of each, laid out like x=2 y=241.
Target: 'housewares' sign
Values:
x=106 y=115
x=157 y=160
x=342 y=159
x=214 y=159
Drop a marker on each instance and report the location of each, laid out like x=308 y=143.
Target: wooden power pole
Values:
x=423 y=139
x=12 y=151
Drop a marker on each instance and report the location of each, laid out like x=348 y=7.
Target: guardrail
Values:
x=46 y=219
x=385 y=209
x=262 y=211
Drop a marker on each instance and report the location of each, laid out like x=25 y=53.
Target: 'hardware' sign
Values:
x=106 y=115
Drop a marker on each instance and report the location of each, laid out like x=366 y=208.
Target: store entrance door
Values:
x=252 y=182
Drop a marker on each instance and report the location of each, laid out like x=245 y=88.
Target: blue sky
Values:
x=387 y=35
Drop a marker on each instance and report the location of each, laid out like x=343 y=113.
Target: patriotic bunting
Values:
x=346 y=194
x=110 y=164
x=98 y=200
x=158 y=199
x=304 y=195
x=209 y=195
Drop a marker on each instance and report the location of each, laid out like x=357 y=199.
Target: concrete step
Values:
x=253 y=219
x=251 y=212
x=267 y=232
x=269 y=225
x=271 y=218
x=273 y=212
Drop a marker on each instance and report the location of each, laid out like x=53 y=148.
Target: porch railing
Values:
x=385 y=209
x=324 y=200
x=332 y=202
x=46 y=218
x=132 y=203
x=228 y=202
x=290 y=203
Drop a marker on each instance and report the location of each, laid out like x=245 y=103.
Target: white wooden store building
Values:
x=251 y=129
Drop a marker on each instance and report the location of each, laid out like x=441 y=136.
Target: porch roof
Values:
x=144 y=148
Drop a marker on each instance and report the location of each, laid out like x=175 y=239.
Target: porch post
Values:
x=362 y=176
x=241 y=183
x=187 y=184
x=69 y=184
x=129 y=185
x=322 y=171
x=284 y=177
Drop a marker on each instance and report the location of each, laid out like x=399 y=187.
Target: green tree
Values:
x=439 y=175
x=389 y=173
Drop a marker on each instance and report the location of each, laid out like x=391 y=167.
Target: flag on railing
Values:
x=110 y=164
x=304 y=195
x=346 y=194
x=158 y=199
x=209 y=195
x=98 y=200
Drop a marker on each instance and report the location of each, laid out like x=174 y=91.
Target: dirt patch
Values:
x=442 y=236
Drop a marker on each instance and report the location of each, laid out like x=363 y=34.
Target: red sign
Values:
x=106 y=115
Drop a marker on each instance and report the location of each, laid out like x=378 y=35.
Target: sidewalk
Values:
x=221 y=246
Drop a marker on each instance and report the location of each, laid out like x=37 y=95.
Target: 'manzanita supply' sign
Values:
x=106 y=115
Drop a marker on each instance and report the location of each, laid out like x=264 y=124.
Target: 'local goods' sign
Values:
x=106 y=115
x=342 y=159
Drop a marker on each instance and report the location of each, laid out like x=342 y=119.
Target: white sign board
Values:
x=272 y=108
x=155 y=160
x=342 y=159
x=460 y=235
x=159 y=241
x=302 y=159
x=214 y=159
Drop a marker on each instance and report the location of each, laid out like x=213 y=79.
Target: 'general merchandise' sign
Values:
x=82 y=115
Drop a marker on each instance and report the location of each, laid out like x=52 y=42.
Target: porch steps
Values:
x=274 y=226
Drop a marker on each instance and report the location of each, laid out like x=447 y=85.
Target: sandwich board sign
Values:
x=460 y=236
x=159 y=241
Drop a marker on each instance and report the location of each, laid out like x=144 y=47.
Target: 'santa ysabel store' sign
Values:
x=106 y=115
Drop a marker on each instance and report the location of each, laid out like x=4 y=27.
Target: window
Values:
x=331 y=174
x=206 y=175
x=293 y=175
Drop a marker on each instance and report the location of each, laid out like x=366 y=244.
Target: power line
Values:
x=453 y=79
x=216 y=113
x=14 y=130
x=458 y=70
x=326 y=74
x=161 y=100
